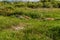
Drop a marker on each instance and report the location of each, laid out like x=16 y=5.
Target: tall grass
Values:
x=8 y=22
x=35 y=28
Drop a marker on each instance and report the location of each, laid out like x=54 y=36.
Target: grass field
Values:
x=29 y=21
x=30 y=24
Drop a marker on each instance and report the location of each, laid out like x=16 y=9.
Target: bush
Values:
x=47 y=4
x=39 y=5
x=21 y=4
x=31 y=5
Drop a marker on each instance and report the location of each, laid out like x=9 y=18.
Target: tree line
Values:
x=40 y=4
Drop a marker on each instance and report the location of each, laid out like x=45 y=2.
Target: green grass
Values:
x=18 y=22
x=33 y=13
x=31 y=23
x=35 y=28
x=7 y=22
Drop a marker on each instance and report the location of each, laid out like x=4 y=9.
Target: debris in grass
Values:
x=18 y=28
x=19 y=16
x=49 y=18
x=22 y=17
x=27 y=17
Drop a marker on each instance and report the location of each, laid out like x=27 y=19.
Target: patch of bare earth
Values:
x=21 y=26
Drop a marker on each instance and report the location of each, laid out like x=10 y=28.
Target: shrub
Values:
x=20 y=4
x=47 y=4
x=39 y=5
x=31 y=5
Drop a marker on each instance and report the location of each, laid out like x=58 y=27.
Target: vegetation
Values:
x=40 y=4
x=30 y=20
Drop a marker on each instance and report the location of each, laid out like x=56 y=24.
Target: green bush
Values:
x=47 y=4
x=39 y=5
x=21 y=4
x=31 y=5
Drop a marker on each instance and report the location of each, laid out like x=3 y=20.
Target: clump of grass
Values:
x=7 y=22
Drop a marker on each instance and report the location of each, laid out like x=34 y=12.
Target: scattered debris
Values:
x=23 y=17
x=19 y=16
x=49 y=18
x=18 y=28
x=21 y=26
x=27 y=17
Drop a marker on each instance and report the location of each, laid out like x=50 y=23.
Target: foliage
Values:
x=32 y=16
